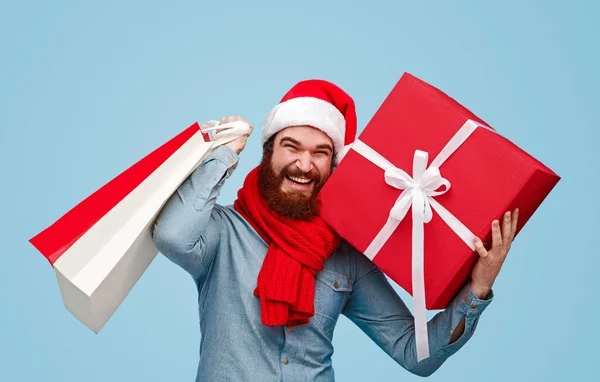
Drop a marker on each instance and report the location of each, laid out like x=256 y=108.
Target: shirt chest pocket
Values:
x=331 y=293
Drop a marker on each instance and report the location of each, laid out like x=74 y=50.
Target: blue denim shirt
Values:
x=224 y=254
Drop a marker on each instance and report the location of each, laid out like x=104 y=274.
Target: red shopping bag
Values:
x=101 y=247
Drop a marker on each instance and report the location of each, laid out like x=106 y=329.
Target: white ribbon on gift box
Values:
x=419 y=191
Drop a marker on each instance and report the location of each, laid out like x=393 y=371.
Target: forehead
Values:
x=305 y=135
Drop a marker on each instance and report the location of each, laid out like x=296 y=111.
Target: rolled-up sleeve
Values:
x=375 y=307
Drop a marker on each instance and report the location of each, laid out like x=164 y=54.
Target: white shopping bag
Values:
x=101 y=247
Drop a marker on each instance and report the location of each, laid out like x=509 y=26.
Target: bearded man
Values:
x=273 y=278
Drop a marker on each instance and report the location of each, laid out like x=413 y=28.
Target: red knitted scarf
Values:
x=297 y=251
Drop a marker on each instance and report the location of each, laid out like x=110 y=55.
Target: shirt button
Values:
x=230 y=160
x=467 y=298
x=336 y=285
x=289 y=328
x=473 y=306
x=286 y=361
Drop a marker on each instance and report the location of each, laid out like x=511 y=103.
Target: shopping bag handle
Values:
x=231 y=131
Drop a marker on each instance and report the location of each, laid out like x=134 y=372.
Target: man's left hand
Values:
x=491 y=259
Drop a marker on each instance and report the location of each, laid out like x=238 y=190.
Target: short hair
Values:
x=268 y=145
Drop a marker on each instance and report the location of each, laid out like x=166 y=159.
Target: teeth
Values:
x=300 y=180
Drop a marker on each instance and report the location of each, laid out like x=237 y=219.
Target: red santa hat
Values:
x=319 y=104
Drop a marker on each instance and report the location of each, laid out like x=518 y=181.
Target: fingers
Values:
x=501 y=237
x=225 y=120
x=480 y=248
x=513 y=225
x=239 y=143
x=233 y=119
x=230 y=119
x=496 y=234
x=510 y=230
x=506 y=229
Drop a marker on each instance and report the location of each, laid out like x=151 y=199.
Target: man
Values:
x=273 y=278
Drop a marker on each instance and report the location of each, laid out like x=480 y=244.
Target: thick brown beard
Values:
x=292 y=205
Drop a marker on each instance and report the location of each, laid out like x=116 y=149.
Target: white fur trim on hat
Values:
x=307 y=111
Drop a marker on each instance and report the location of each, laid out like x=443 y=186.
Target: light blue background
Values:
x=88 y=88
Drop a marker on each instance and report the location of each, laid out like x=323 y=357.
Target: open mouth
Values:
x=299 y=180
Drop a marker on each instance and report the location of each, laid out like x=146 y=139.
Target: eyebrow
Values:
x=292 y=140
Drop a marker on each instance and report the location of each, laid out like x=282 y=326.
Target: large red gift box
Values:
x=487 y=174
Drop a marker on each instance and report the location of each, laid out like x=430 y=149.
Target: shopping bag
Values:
x=101 y=247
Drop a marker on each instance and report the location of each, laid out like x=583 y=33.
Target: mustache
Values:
x=294 y=206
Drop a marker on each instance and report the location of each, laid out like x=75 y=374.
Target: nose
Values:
x=304 y=162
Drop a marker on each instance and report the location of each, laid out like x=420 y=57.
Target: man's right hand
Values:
x=238 y=144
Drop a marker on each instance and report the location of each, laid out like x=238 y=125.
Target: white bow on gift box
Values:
x=418 y=192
